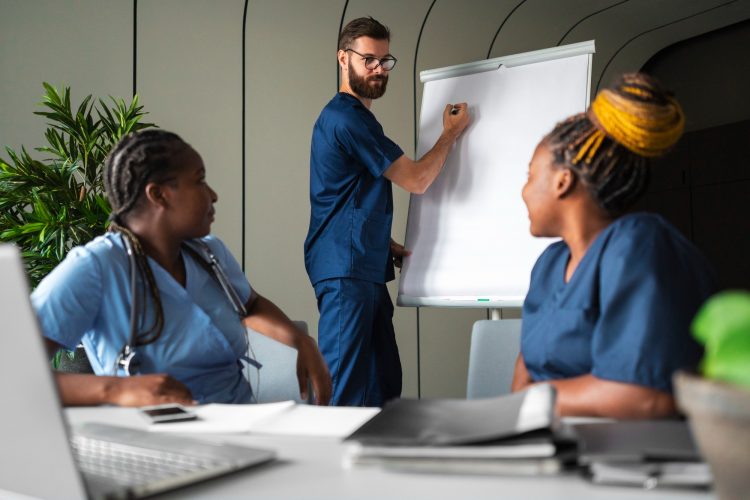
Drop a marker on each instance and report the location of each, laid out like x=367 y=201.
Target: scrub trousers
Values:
x=357 y=340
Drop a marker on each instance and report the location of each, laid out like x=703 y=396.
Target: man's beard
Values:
x=360 y=85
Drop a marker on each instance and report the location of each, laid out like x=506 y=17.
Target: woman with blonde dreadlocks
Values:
x=608 y=310
x=157 y=297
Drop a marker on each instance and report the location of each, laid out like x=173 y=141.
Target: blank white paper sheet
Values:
x=469 y=233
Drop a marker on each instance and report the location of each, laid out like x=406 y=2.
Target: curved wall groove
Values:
x=588 y=16
x=505 y=20
x=243 y=136
x=341 y=26
x=135 y=47
x=540 y=24
x=415 y=77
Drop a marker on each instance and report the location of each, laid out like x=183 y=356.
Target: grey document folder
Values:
x=441 y=422
x=42 y=458
x=511 y=434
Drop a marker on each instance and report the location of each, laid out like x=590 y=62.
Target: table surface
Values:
x=310 y=467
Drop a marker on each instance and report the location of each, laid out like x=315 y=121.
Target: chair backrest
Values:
x=277 y=379
x=495 y=345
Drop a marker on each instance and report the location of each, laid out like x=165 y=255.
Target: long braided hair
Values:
x=140 y=158
x=609 y=146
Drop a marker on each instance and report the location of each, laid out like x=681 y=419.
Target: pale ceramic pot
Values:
x=719 y=415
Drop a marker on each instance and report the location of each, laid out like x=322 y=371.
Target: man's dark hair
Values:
x=362 y=26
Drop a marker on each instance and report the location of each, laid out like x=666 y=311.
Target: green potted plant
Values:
x=718 y=402
x=51 y=205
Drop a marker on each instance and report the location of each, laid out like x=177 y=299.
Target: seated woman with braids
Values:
x=158 y=298
x=608 y=310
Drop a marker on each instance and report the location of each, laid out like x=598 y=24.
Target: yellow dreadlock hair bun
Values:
x=636 y=116
x=609 y=147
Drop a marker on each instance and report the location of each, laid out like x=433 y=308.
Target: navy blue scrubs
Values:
x=625 y=313
x=347 y=252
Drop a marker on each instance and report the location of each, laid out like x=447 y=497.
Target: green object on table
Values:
x=723 y=327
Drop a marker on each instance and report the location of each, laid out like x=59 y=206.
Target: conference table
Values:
x=312 y=467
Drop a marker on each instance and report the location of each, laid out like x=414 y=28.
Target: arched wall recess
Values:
x=635 y=52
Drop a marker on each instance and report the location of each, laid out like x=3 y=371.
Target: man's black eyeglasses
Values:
x=372 y=62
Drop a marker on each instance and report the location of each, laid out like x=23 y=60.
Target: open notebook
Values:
x=42 y=458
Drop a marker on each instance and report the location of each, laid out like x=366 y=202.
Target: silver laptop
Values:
x=41 y=458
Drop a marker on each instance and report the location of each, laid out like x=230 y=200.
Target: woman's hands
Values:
x=146 y=390
x=587 y=395
x=266 y=318
x=312 y=369
x=521 y=377
x=83 y=389
x=78 y=389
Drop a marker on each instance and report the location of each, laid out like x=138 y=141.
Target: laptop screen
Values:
x=36 y=459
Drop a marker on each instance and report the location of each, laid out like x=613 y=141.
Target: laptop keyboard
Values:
x=129 y=465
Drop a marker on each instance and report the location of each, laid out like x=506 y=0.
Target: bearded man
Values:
x=349 y=253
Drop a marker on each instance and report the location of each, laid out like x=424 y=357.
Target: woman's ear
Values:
x=155 y=194
x=565 y=182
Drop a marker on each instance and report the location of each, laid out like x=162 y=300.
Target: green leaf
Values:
x=49 y=205
x=723 y=327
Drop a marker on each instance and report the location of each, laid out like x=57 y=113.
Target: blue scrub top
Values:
x=351 y=202
x=626 y=311
x=87 y=298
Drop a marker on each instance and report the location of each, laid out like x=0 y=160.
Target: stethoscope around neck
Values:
x=127 y=360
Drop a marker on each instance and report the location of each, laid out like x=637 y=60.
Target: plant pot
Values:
x=719 y=415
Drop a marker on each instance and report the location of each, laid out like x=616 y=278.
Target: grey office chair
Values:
x=495 y=345
x=277 y=380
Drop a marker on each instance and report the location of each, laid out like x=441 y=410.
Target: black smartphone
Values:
x=167 y=413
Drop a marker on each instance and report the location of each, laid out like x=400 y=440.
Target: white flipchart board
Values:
x=469 y=233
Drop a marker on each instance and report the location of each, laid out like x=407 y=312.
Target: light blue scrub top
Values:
x=625 y=313
x=351 y=202
x=87 y=298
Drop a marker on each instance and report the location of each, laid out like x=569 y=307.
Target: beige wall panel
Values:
x=445 y=340
x=510 y=313
x=190 y=80
x=290 y=70
x=455 y=33
x=84 y=44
